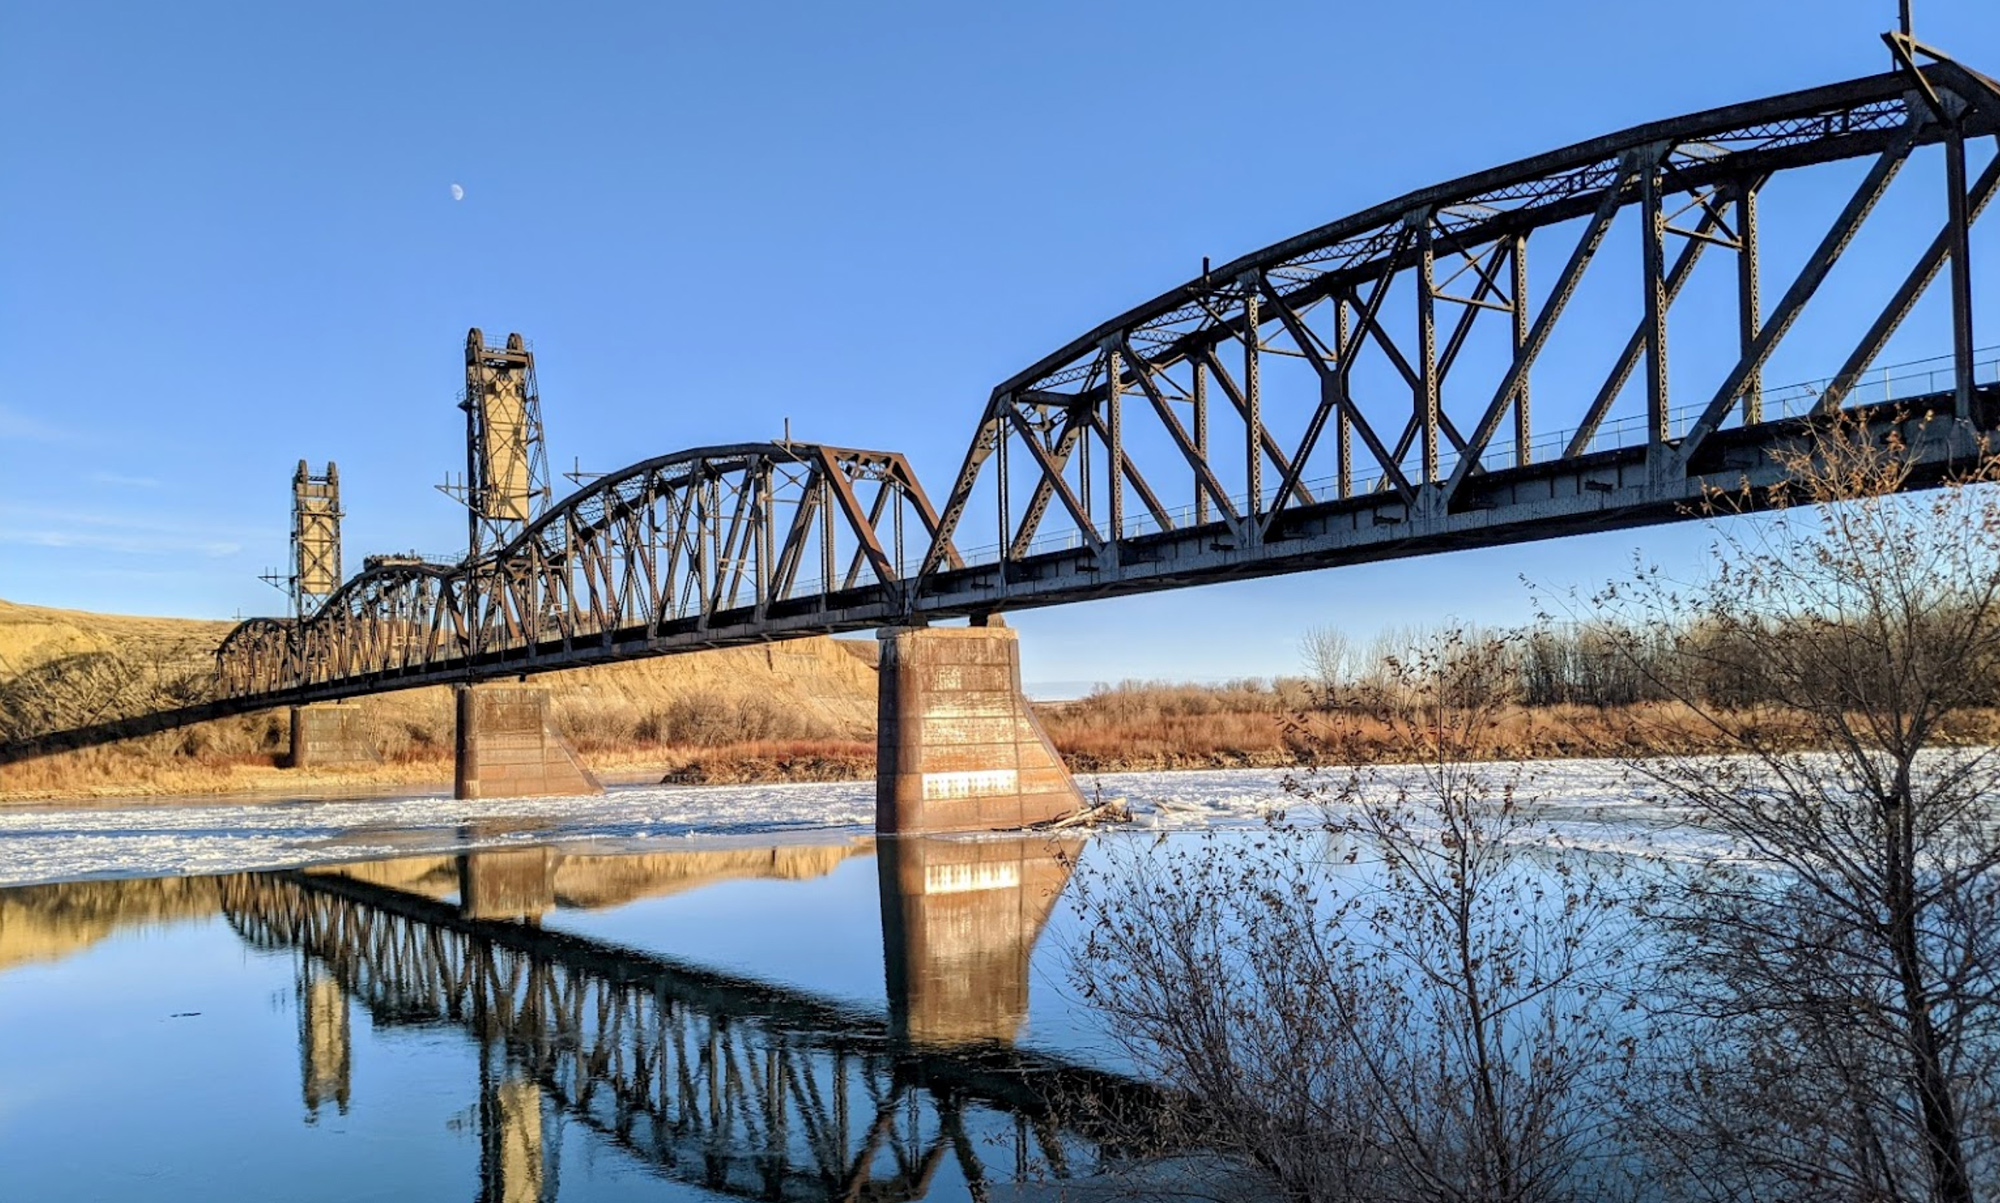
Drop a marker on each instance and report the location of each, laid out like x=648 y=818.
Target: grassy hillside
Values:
x=808 y=704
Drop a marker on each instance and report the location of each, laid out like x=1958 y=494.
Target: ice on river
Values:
x=1594 y=799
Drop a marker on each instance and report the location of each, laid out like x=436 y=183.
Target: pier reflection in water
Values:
x=715 y=1079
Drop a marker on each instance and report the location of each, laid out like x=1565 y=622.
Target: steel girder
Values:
x=678 y=544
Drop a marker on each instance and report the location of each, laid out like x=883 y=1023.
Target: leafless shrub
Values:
x=1393 y=1002
x=1830 y=1010
x=709 y=722
x=86 y=688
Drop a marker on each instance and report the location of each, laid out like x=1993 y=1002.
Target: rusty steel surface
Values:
x=1145 y=454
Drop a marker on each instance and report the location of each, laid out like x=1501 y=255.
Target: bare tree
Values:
x=1331 y=664
x=1831 y=1000
x=1412 y=998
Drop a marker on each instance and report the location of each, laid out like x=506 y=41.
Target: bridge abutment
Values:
x=506 y=747
x=331 y=735
x=957 y=748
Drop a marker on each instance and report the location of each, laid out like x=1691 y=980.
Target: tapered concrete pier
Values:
x=507 y=748
x=957 y=748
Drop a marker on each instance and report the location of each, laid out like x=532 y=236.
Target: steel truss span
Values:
x=1358 y=392
x=686 y=550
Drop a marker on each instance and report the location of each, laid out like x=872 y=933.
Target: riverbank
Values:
x=1139 y=729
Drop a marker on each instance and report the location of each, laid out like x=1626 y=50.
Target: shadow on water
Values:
x=725 y=1082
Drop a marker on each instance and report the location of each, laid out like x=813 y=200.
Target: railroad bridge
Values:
x=1358 y=392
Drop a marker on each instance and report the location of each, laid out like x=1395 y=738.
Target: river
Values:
x=683 y=993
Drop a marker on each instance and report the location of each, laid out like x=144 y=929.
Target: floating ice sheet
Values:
x=1595 y=802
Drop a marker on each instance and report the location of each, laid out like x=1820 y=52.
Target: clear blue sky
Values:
x=227 y=241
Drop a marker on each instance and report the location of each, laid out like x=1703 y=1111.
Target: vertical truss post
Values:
x=1749 y=302
x=1114 y=396
x=1000 y=483
x=1652 y=225
x=829 y=563
x=699 y=510
x=1905 y=298
x=718 y=558
x=1253 y=412
x=765 y=553
x=1083 y=471
x=1519 y=257
x=1829 y=250
x=1960 y=225
x=896 y=519
x=1343 y=431
x=1200 y=437
x=1427 y=374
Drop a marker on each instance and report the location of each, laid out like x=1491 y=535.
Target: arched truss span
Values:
x=1358 y=392
x=667 y=546
x=1398 y=289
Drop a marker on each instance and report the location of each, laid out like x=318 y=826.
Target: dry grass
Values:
x=231 y=756
x=789 y=760
x=799 y=711
x=1154 y=725
x=660 y=715
x=1145 y=726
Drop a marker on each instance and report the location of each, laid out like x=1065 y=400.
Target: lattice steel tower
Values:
x=506 y=483
x=314 y=571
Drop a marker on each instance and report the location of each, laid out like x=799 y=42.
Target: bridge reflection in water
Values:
x=720 y=1081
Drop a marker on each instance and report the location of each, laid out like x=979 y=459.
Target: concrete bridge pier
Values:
x=507 y=748
x=330 y=735
x=957 y=748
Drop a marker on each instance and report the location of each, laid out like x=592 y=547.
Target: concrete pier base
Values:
x=508 y=749
x=330 y=735
x=513 y=1165
x=957 y=748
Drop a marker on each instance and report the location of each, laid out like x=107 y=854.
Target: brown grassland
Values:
x=797 y=711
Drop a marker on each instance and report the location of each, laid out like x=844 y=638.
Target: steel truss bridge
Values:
x=733 y=1085
x=1358 y=392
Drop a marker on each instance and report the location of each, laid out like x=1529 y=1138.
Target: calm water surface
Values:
x=725 y=992
x=807 y=1020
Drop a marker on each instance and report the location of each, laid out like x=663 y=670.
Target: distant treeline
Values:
x=1723 y=666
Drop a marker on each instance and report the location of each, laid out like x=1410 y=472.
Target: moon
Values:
x=457 y=193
